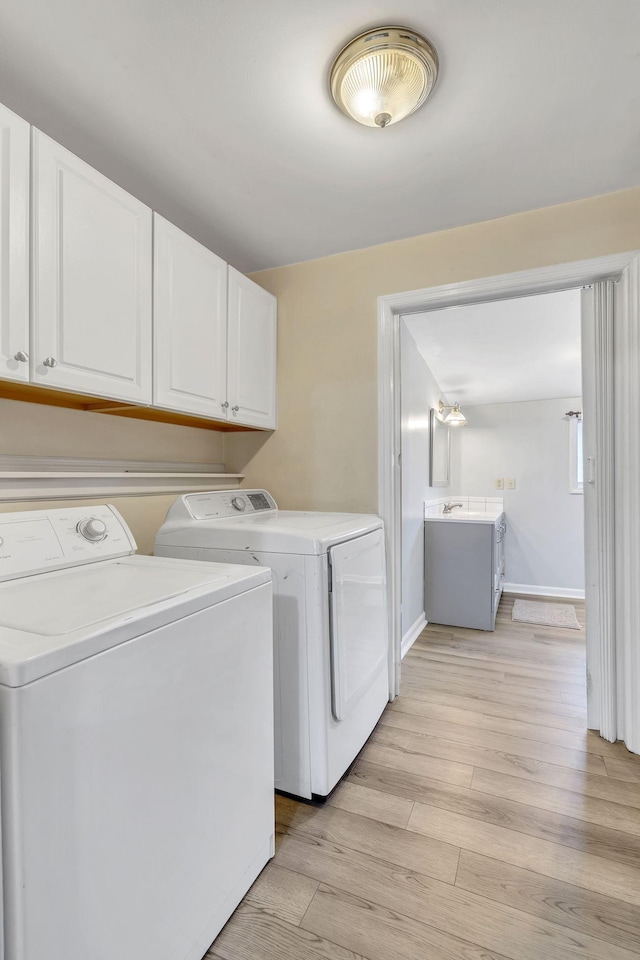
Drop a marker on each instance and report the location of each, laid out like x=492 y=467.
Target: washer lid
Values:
x=277 y=531
x=52 y=620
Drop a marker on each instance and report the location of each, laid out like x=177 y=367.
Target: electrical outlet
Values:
x=511 y=483
x=499 y=483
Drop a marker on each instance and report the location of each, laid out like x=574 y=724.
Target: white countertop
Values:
x=473 y=509
x=469 y=516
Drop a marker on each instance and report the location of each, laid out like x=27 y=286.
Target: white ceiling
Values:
x=217 y=113
x=505 y=351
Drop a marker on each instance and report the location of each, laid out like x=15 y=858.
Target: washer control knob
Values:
x=92 y=528
x=238 y=503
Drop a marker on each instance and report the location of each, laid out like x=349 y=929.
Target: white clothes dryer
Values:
x=136 y=739
x=330 y=620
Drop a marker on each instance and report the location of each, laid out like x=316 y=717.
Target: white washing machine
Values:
x=330 y=620
x=136 y=741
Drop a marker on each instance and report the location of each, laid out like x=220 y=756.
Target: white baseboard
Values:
x=530 y=590
x=412 y=634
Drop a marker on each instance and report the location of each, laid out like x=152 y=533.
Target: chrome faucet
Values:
x=448 y=507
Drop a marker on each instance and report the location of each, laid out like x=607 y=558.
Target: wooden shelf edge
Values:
x=35 y=393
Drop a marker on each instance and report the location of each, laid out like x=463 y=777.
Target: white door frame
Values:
x=505 y=286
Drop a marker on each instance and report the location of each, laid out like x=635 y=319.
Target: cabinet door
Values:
x=251 y=373
x=190 y=324
x=14 y=246
x=91 y=328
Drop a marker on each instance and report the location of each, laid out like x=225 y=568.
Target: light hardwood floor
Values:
x=480 y=822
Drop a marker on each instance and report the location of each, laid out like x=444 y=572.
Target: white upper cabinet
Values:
x=251 y=371
x=14 y=246
x=190 y=324
x=91 y=329
x=79 y=276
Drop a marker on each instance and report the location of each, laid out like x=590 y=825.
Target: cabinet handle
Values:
x=50 y=362
x=235 y=409
x=225 y=405
x=21 y=356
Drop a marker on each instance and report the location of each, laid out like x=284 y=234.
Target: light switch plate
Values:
x=499 y=483
x=511 y=483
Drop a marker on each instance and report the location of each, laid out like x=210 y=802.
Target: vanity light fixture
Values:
x=455 y=417
x=383 y=75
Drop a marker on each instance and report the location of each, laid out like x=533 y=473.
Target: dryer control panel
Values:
x=221 y=504
x=36 y=541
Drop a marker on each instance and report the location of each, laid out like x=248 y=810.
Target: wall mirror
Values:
x=438 y=451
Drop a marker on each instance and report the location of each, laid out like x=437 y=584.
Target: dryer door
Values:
x=359 y=625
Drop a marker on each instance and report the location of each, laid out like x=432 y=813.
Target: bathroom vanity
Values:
x=464 y=567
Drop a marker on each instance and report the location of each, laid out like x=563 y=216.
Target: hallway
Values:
x=480 y=822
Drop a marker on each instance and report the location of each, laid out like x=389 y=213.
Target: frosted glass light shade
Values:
x=456 y=416
x=383 y=75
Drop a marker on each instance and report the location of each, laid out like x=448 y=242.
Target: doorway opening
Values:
x=611 y=292
x=515 y=369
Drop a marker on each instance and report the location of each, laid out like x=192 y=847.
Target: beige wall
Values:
x=36 y=430
x=324 y=454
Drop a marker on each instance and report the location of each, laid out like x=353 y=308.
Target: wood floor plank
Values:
x=609 y=878
x=388 y=736
x=553 y=638
x=413 y=761
x=575 y=676
x=487 y=708
x=433 y=668
x=516 y=815
x=396 y=782
x=281 y=893
x=438 y=711
x=591 y=785
x=371 y=803
x=601 y=917
x=460 y=652
x=489 y=651
x=447 y=760
x=504 y=676
x=450 y=909
x=381 y=840
x=582 y=739
x=504 y=743
x=499 y=663
x=508 y=630
x=623 y=769
x=252 y=934
x=405 y=780
x=606 y=813
x=498 y=689
x=422 y=688
x=381 y=933
x=500 y=760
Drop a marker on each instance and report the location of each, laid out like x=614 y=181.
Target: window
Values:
x=576 y=478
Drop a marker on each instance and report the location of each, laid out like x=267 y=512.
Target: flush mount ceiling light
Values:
x=455 y=417
x=383 y=75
